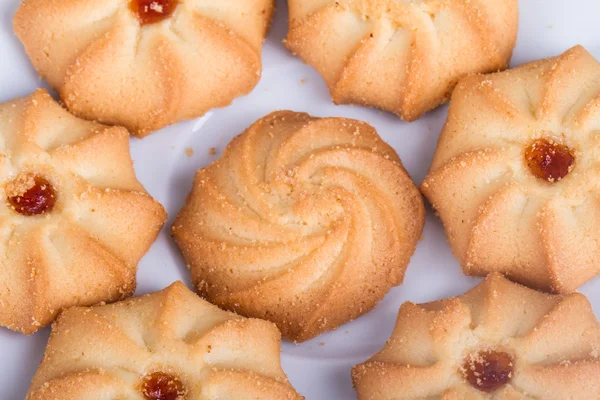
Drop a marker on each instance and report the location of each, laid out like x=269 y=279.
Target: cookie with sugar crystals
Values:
x=145 y=64
x=307 y=222
x=516 y=179
x=74 y=220
x=499 y=341
x=402 y=56
x=169 y=345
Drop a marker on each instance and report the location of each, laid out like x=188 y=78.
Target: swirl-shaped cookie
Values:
x=516 y=178
x=403 y=56
x=74 y=220
x=170 y=345
x=498 y=341
x=303 y=221
x=145 y=64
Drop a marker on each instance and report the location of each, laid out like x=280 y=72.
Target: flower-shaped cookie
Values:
x=306 y=222
x=74 y=220
x=498 y=341
x=169 y=345
x=403 y=56
x=516 y=177
x=145 y=64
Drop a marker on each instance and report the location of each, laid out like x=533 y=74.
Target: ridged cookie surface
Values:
x=403 y=56
x=74 y=220
x=169 y=345
x=145 y=64
x=516 y=179
x=498 y=341
x=306 y=222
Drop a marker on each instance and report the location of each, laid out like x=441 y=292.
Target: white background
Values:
x=319 y=369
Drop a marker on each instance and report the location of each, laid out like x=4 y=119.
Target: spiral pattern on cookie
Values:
x=516 y=178
x=398 y=55
x=304 y=221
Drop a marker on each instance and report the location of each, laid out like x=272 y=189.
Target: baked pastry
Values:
x=402 y=56
x=74 y=221
x=169 y=345
x=305 y=222
x=498 y=341
x=515 y=178
x=145 y=64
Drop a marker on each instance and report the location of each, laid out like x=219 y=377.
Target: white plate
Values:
x=319 y=369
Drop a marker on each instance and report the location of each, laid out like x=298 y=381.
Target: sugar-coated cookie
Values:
x=145 y=64
x=403 y=56
x=498 y=341
x=516 y=175
x=169 y=345
x=306 y=222
x=74 y=220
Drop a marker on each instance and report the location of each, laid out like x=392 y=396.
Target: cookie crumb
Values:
x=189 y=151
x=212 y=151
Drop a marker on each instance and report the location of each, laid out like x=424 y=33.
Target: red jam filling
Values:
x=31 y=195
x=161 y=386
x=548 y=160
x=152 y=11
x=488 y=371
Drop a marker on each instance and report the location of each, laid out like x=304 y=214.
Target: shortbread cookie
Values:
x=145 y=64
x=403 y=56
x=169 y=345
x=303 y=221
x=516 y=177
x=498 y=341
x=74 y=220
